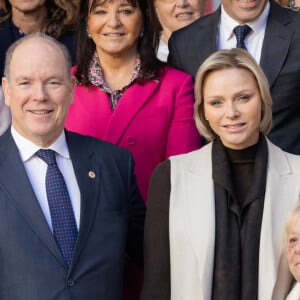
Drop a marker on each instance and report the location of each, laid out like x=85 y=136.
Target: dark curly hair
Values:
x=146 y=47
x=62 y=16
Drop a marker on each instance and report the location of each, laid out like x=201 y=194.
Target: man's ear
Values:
x=6 y=90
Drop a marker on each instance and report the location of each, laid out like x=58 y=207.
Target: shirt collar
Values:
x=258 y=25
x=27 y=149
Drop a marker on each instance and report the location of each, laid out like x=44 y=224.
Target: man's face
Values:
x=38 y=91
x=244 y=10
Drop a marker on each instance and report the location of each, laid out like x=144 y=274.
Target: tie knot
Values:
x=47 y=155
x=241 y=32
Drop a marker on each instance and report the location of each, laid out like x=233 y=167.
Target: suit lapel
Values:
x=276 y=43
x=88 y=174
x=280 y=197
x=133 y=100
x=15 y=183
x=210 y=29
x=205 y=39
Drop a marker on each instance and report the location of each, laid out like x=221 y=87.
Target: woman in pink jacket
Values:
x=123 y=94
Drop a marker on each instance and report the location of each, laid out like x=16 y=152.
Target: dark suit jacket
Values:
x=112 y=219
x=9 y=34
x=280 y=60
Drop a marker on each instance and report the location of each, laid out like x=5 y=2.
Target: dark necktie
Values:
x=241 y=32
x=63 y=221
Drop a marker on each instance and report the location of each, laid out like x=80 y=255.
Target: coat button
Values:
x=130 y=141
x=70 y=283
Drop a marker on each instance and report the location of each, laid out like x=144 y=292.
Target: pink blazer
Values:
x=153 y=120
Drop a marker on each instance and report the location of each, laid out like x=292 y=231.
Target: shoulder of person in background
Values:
x=5 y=117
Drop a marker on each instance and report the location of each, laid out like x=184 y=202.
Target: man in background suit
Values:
x=274 y=41
x=106 y=208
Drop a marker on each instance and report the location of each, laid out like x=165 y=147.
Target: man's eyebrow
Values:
x=22 y=77
x=26 y=77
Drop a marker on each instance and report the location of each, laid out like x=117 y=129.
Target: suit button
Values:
x=70 y=283
x=130 y=141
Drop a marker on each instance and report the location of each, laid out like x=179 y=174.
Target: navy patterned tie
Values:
x=241 y=32
x=63 y=220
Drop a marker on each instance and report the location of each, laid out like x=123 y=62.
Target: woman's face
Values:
x=27 y=6
x=175 y=14
x=115 y=27
x=293 y=250
x=232 y=106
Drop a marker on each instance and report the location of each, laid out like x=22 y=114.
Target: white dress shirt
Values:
x=36 y=170
x=254 y=40
x=162 y=51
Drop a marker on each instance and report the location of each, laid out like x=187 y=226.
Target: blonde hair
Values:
x=227 y=59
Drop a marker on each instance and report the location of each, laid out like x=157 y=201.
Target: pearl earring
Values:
x=142 y=32
x=88 y=34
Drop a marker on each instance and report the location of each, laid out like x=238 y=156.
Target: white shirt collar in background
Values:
x=254 y=40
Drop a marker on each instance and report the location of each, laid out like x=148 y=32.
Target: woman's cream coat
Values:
x=192 y=224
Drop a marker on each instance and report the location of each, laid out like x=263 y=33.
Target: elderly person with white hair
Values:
x=292 y=245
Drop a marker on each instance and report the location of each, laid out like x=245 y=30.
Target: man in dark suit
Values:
x=50 y=251
x=273 y=40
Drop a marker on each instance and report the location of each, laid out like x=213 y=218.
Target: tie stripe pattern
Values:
x=63 y=220
x=241 y=32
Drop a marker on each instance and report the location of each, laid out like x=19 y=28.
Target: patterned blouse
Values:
x=96 y=77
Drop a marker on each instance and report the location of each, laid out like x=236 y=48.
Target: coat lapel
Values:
x=133 y=100
x=88 y=174
x=282 y=192
x=201 y=214
x=276 y=43
x=15 y=183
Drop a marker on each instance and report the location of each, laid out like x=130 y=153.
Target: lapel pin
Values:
x=92 y=174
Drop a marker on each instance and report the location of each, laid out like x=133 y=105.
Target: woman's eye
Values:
x=99 y=12
x=215 y=102
x=243 y=98
x=126 y=11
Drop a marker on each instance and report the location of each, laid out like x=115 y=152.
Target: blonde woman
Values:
x=216 y=215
